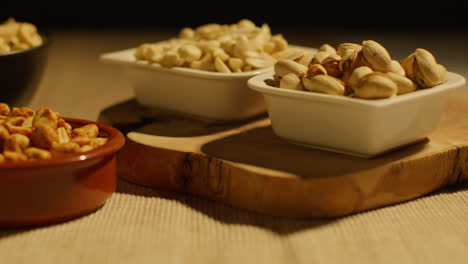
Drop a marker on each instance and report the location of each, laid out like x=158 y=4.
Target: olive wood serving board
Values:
x=246 y=165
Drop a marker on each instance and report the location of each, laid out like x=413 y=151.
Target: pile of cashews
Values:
x=363 y=71
x=235 y=48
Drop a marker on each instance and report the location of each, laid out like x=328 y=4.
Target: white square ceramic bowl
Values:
x=198 y=94
x=358 y=127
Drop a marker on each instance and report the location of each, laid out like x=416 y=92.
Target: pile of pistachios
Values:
x=363 y=71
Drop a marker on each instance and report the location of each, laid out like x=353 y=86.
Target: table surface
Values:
x=142 y=225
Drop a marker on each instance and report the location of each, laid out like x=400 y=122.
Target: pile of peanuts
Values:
x=232 y=48
x=363 y=71
x=16 y=36
x=29 y=135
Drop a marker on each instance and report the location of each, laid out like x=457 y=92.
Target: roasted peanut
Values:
x=45 y=116
x=4 y=109
x=62 y=135
x=90 y=131
x=44 y=136
x=98 y=141
x=27 y=131
x=64 y=148
x=86 y=148
x=81 y=140
x=16 y=142
x=12 y=156
x=4 y=134
x=62 y=123
x=22 y=111
x=37 y=154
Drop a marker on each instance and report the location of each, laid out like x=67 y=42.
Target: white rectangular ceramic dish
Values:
x=199 y=94
x=359 y=127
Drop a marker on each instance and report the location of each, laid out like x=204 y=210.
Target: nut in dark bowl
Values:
x=23 y=58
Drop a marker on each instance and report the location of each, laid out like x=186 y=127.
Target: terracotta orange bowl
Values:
x=62 y=188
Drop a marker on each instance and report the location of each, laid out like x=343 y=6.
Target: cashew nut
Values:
x=344 y=47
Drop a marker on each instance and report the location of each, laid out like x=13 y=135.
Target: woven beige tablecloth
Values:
x=141 y=225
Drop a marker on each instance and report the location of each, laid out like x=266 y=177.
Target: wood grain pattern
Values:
x=248 y=166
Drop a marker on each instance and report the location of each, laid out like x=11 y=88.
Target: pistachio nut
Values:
x=286 y=66
x=427 y=72
x=331 y=64
x=357 y=75
x=304 y=59
x=324 y=84
x=404 y=84
x=328 y=48
x=319 y=57
x=375 y=86
x=343 y=47
x=375 y=56
x=291 y=81
x=316 y=69
x=396 y=67
x=408 y=66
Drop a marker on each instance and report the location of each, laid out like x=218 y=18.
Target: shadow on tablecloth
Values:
x=231 y=215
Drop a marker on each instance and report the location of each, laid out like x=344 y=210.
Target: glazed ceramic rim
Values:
x=115 y=142
x=258 y=84
x=45 y=42
x=123 y=57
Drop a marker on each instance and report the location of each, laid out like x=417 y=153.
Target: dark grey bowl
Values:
x=21 y=72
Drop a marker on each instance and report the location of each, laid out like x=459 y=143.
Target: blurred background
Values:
x=427 y=16
x=80 y=31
